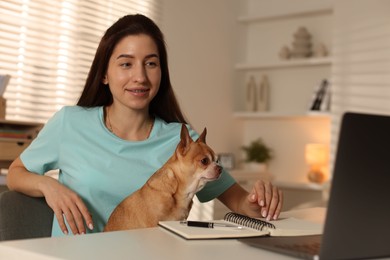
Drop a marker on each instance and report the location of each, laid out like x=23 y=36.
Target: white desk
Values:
x=151 y=243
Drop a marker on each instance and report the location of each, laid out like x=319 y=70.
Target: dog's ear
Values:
x=202 y=137
x=185 y=140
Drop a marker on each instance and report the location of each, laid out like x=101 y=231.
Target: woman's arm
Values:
x=265 y=200
x=64 y=202
x=21 y=180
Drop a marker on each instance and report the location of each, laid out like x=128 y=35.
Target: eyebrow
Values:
x=153 y=55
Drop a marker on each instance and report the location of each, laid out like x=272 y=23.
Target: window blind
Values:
x=48 y=46
x=361 y=67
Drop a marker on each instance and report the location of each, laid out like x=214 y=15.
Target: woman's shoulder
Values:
x=166 y=125
x=172 y=128
x=79 y=109
x=77 y=114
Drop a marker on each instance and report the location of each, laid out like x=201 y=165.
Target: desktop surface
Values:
x=150 y=243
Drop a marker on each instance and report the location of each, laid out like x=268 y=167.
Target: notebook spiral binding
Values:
x=247 y=221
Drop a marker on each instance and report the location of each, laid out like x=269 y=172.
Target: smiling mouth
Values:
x=138 y=90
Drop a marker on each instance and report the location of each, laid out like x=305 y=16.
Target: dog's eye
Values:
x=205 y=161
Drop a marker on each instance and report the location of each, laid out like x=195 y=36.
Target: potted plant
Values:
x=257 y=155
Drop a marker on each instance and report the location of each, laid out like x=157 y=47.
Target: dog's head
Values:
x=197 y=161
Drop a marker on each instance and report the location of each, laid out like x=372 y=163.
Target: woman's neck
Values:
x=127 y=124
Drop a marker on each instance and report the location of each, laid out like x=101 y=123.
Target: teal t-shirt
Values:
x=102 y=168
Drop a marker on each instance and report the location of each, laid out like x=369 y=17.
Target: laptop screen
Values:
x=357 y=224
x=358 y=219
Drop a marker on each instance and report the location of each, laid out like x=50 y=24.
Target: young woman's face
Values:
x=134 y=72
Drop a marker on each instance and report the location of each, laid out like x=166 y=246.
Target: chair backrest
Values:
x=22 y=216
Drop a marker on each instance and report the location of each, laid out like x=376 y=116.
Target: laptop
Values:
x=357 y=224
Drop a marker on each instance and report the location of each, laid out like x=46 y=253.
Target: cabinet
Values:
x=303 y=195
x=246 y=179
x=296 y=195
x=292 y=81
x=15 y=136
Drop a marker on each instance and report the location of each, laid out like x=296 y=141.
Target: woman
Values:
x=125 y=126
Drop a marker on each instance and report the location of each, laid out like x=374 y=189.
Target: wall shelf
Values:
x=300 y=185
x=15 y=140
x=287 y=15
x=310 y=62
x=275 y=115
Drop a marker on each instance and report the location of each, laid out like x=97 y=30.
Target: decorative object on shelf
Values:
x=3 y=105
x=284 y=53
x=263 y=94
x=301 y=44
x=320 y=51
x=4 y=80
x=258 y=154
x=317 y=157
x=321 y=97
x=251 y=100
x=226 y=160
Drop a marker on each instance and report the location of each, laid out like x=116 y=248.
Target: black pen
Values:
x=205 y=224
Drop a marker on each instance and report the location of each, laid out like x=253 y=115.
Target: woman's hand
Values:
x=265 y=200
x=67 y=205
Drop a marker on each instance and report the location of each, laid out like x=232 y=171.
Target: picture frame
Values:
x=226 y=160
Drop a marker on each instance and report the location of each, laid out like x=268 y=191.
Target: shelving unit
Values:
x=288 y=125
x=295 y=194
x=303 y=194
x=15 y=137
x=260 y=56
x=246 y=179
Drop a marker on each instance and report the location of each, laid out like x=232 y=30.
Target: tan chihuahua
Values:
x=168 y=193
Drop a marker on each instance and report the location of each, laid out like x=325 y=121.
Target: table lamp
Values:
x=317 y=156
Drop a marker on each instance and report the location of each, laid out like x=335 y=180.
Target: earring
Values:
x=105 y=80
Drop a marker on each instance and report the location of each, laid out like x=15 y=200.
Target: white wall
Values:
x=361 y=68
x=201 y=38
x=205 y=41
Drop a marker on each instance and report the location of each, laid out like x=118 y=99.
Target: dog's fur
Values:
x=168 y=193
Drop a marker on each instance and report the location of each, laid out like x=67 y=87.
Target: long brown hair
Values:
x=95 y=93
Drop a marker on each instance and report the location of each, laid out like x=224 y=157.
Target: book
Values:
x=235 y=225
x=4 y=80
x=12 y=133
x=3 y=171
x=319 y=96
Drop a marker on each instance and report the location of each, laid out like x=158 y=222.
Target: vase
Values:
x=256 y=167
x=251 y=98
x=263 y=94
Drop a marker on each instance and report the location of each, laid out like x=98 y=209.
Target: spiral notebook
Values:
x=238 y=226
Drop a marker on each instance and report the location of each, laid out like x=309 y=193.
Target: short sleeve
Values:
x=215 y=188
x=42 y=154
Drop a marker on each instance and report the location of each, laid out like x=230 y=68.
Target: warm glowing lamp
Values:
x=317 y=156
